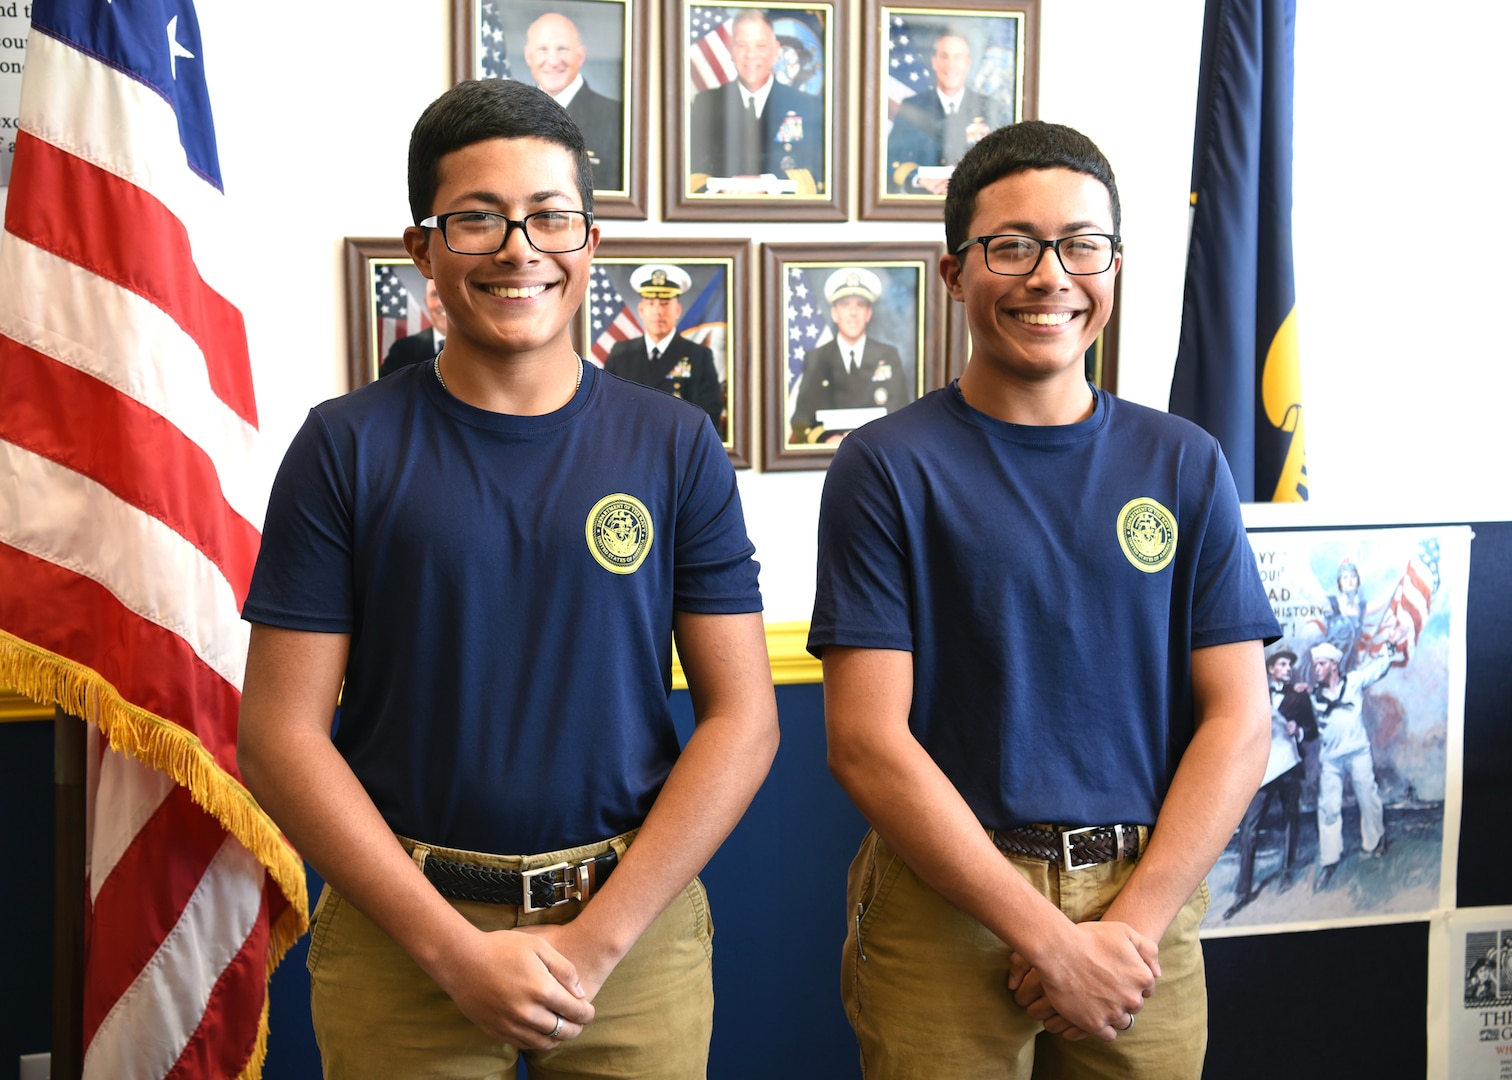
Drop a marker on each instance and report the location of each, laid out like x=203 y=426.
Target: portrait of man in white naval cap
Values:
x=848 y=379
x=662 y=357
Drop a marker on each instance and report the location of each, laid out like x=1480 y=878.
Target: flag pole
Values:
x=69 y=768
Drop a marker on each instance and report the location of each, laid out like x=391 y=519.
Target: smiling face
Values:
x=851 y=314
x=753 y=46
x=553 y=52
x=517 y=303
x=1036 y=327
x=951 y=63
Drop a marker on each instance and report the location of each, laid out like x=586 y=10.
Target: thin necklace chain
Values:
x=576 y=386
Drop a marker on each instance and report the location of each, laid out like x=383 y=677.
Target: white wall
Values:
x=1396 y=118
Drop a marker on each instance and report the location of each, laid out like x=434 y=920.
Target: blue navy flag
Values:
x=1237 y=368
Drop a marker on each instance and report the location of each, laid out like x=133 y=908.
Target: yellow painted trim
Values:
x=14 y=707
x=791 y=662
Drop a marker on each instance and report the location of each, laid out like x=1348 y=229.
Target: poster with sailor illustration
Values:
x=1357 y=817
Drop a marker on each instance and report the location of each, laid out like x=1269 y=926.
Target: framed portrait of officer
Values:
x=672 y=315
x=936 y=78
x=592 y=57
x=853 y=332
x=755 y=111
x=394 y=317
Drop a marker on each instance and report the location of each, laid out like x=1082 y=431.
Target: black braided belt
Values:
x=1074 y=849
x=547 y=886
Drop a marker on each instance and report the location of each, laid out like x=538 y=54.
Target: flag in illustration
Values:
x=1411 y=602
x=127 y=535
x=1237 y=367
x=709 y=61
x=399 y=315
x=492 y=53
x=610 y=318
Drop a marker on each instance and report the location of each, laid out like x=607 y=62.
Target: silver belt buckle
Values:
x=1067 y=860
x=578 y=884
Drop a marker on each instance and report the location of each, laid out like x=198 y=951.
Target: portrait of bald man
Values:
x=554 y=53
x=755 y=123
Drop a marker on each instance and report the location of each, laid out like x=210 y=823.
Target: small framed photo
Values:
x=755 y=111
x=593 y=57
x=853 y=333
x=393 y=315
x=937 y=76
x=672 y=314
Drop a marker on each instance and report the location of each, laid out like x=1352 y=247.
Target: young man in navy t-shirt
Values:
x=1041 y=624
x=487 y=556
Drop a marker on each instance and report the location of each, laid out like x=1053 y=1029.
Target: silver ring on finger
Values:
x=1130 y=1024
x=558 y=1029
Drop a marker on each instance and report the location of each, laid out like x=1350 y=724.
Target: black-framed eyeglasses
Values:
x=1014 y=255
x=478 y=232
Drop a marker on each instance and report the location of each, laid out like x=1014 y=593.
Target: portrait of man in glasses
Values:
x=1041 y=626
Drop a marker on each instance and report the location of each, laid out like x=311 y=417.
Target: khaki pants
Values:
x=926 y=986
x=376 y=1014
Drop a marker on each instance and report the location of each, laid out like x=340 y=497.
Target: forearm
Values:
x=1218 y=776
x=713 y=781
x=912 y=804
x=305 y=784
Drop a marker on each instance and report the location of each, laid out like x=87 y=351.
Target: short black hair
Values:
x=481 y=109
x=1016 y=148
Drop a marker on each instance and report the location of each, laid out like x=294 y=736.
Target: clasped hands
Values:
x=1095 y=987
x=521 y=987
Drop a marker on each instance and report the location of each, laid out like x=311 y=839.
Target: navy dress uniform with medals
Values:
x=864 y=375
x=680 y=367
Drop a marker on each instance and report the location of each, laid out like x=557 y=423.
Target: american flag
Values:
x=492 y=57
x=127 y=430
x=709 y=60
x=610 y=318
x=399 y=315
x=805 y=326
x=908 y=71
x=1404 y=618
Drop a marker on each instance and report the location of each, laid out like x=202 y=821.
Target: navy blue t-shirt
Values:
x=1051 y=584
x=508 y=583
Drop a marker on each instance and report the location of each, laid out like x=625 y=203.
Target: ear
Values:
x=950 y=272
x=593 y=239
x=417 y=243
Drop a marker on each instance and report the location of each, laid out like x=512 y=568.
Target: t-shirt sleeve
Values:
x=714 y=571
x=1229 y=603
x=303 y=578
x=862 y=580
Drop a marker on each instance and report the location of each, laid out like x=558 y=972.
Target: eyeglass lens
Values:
x=1090 y=253
x=550 y=231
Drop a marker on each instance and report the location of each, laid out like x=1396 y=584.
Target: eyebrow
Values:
x=1069 y=229
x=492 y=199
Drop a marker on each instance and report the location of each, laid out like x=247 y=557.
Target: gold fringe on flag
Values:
x=50 y=679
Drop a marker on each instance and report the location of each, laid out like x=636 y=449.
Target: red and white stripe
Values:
x=709 y=61
x=127 y=539
x=622 y=328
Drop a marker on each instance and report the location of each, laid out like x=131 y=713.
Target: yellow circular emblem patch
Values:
x=1147 y=534
x=619 y=533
